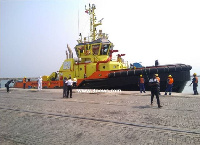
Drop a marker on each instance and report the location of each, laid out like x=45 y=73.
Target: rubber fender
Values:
x=111 y=75
x=124 y=73
x=178 y=68
x=160 y=69
x=131 y=73
x=117 y=74
x=146 y=71
x=189 y=67
x=138 y=71
x=172 y=68
x=166 y=69
x=153 y=70
x=184 y=67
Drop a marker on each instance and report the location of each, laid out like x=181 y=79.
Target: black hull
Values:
x=128 y=80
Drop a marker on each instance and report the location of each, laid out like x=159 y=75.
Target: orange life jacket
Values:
x=170 y=81
x=24 y=80
x=158 y=79
x=142 y=80
x=196 y=81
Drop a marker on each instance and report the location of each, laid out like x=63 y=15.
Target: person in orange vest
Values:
x=141 y=84
x=170 y=82
x=24 y=82
x=158 y=78
x=195 y=84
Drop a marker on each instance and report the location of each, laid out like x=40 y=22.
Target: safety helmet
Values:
x=194 y=74
x=24 y=77
x=169 y=76
x=140 y=75
x=156 y=75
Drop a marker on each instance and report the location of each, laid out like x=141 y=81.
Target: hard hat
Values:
x=24 y=77
x=194 y=74
x=156 y=75
x=140 y=75
x=169 y=76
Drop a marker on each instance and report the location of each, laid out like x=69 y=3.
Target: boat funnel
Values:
x=70 y=51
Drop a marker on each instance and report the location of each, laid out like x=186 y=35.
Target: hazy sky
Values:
x=34 y=33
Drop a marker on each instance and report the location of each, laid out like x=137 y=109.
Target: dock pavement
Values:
x=92 y=117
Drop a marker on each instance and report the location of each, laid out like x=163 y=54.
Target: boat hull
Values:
x=128 y=80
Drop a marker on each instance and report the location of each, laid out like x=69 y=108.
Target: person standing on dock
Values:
x=69 y=87
x=153 y=83
x=141 y=84
x=195 y=84
x=7 y=85
x=24 y=82
x=158 y=78
x=65 y=87
x=74 y=82
x=170 y=82
x=40 y=83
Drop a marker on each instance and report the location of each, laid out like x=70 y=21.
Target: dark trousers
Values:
x=24 y=85
x=74 y=84
x=69 y=89
x=64 y=91
x=169 y=88
x=195 y=89
x=155 y=92
x=7 y=86
x=142 y=88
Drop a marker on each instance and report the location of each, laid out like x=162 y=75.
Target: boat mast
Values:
x=93 y=23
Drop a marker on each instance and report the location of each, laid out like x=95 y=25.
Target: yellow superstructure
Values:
x=94 y=55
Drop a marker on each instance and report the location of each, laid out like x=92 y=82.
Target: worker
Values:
x=74 y=82
x=195 y=84
x=65 y=87
x=153 y=83
x=141 y=84
x=69 y=83
x=158 y=78
x=40 y=83
x=24 y=82
x=170 y=82
x=7 y=84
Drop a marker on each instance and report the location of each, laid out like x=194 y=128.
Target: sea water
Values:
x=3 y=82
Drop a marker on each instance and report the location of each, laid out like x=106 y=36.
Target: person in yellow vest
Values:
x=24 y=82
x=158 y=78
x=141 y=84
x=74 y=82
x=195 y=84
x=170 y=82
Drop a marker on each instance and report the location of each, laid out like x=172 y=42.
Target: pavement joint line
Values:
x=72 y=101
x=103 y=120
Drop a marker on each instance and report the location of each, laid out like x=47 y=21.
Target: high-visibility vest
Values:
x=170 y=81
x=158 y=79
x=142 y=80
x=24 y=80
x=196 y=81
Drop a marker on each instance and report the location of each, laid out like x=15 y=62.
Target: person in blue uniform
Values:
x=141 y=84
x=64 y=87
x=195 y=84
x=154 y=84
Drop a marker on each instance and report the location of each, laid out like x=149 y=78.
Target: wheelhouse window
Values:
x=95 y=49
x=104 y=49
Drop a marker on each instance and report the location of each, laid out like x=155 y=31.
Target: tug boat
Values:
x=95 y=67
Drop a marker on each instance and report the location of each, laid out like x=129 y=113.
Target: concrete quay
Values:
x=93 y=117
